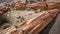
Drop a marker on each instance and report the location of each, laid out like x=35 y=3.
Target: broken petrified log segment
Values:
x=36 y=5
x=52 y=5
x=18 y=5
x=4 y=10
x=44 y=5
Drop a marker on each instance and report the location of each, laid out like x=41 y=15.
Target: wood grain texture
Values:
x=36 y=24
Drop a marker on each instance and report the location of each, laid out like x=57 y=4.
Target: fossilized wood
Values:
x=42 y=25
x=39 y=23
x=4 y=10
x=35 y=6
x=41 y=19
x=52 y=5
x=41 y=5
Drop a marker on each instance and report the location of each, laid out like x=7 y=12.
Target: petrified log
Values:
x=4 y=10
x=43 y=20
x=52 y=5
x=18 y=5
x=36 y=5
x=33 y=25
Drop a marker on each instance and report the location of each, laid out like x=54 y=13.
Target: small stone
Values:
x=19 y=17
x=8 y=15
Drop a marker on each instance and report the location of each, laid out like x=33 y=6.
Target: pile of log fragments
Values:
x=35 y=6
x=35 y=24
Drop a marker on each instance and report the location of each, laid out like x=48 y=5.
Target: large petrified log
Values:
x=33 y=25
x=42 y=20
